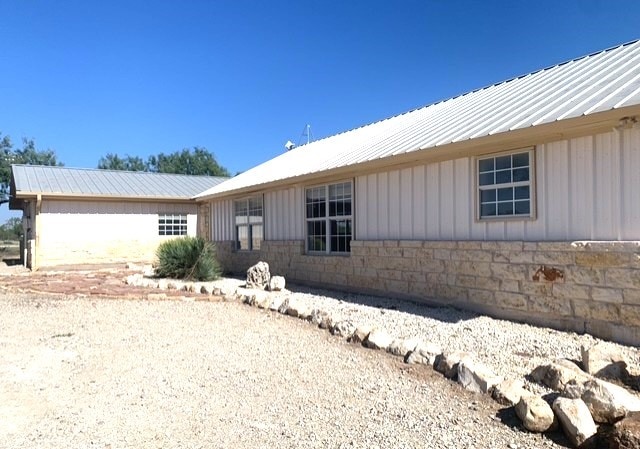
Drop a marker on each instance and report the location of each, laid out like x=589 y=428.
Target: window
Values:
x=172 y=224
x=505 y=185
x=248 y=222
x=328 y=213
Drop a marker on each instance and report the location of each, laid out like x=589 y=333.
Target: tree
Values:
x=198 y=162
x=115 y=162
x=28 y=155
x=185 y=162
x=11 y=229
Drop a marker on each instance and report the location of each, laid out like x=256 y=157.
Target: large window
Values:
x=505 y=185
x=248 y=222
x=172 y=224
x=328 y=213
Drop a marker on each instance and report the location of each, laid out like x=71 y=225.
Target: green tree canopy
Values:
x=115 y=162
x=198 y=161
x=28 y=154
x=11 y=229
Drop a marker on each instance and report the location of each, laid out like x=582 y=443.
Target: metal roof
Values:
x=599 y=82
x=37 y=179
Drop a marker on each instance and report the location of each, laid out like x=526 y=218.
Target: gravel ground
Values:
x=83 y=373
x=120 y=373
x=511 y=349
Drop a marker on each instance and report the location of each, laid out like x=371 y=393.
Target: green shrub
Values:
x=190 y=258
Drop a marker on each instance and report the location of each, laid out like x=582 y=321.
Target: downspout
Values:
x=36 y=224
x=25 y=230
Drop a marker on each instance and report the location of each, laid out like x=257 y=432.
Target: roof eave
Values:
x=533 y=135
x=104 y=197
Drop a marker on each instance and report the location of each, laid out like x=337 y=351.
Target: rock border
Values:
x=535 y=412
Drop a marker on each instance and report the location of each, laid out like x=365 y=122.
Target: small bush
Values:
x=190 y=258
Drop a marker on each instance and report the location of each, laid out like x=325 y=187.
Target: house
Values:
x=85 y=216
x=520 y=200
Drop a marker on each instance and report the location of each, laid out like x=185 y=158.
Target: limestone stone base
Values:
x=589 y=287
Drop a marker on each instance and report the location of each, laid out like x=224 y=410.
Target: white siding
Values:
x=222 y=221
x=74 y=232
x=284 y=214
x=586 y=188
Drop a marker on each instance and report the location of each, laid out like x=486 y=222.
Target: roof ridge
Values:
x=103 y=170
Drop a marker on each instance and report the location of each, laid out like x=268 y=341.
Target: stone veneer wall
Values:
x=583 y=286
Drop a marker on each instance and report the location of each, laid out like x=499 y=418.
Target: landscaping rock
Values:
x=447 y=364
x=174 y=285
x=148 y=271
x=133 y=279
x=262 y=300
x=344 y=328
x=535 y=413
x=207 y=288
x=276 y=302
x=573 y=390
x=231 y=296
x=298 y=309
x=508 y=392
x=402 y=347
x=319 y=317
x=360 y=334
x=607 y=402
x=258 y=276
x=188 y=287
x=602 y=361
x=626 y=433
x=277 y=283
x=575 y=419
x=378 y=339
x=424 y=354
x=558 y=374
x=284 y=305
x=477 y=377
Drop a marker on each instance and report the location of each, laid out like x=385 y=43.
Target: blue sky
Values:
x=240 y=78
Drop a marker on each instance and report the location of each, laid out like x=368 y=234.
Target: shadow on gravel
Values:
x=441 y=313
x=508 y=417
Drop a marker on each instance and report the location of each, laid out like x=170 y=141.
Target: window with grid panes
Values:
x=329 y=219
x=248 y=223
x=505 y=185
x=172 y=224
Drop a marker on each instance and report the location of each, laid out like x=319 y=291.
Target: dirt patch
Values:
x=102 y=282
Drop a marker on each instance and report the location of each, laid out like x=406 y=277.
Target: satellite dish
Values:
x=289 y=145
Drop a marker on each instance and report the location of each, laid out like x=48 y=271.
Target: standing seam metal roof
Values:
x=609 y=79
x=34 y=179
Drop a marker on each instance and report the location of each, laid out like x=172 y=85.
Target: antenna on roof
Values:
x=306 y=132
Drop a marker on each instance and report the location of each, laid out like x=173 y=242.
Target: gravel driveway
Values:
x=83 y=373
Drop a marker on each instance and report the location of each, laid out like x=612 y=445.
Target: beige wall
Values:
x=91 y=232
x=586 y=189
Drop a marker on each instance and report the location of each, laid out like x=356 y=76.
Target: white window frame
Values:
x=531 y=183
x=248 y=224
x=172 y=224
x=328 y=219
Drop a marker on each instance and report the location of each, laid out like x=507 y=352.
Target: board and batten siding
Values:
x=222 y=229
x=283 y=216
x=73 y=232
x=587 y=188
